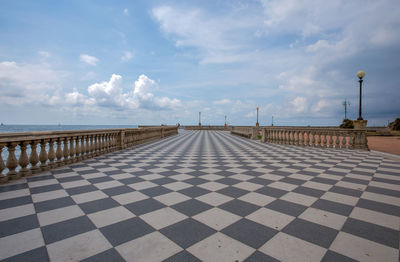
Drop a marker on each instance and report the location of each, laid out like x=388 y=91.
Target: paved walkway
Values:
x=207 y=196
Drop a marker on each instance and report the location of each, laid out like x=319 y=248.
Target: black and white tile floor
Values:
x=207 y=196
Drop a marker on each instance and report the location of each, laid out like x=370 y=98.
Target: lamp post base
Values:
x=360 y=124
x=257 y=124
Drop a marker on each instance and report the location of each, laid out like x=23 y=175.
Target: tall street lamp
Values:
x=360 y=75
x=225 y=123
x=199 y=119
x=257 y=124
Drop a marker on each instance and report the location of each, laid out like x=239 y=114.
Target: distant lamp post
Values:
x=345 y=104
x=225 y=123
x=200 y=119
x=360 y=75
x=272 y=123
x=257 y=124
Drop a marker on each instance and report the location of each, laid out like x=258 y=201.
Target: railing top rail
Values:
x=313 y=129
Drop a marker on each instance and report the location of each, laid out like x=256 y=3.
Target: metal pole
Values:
x=359 y=108
x=225 y=120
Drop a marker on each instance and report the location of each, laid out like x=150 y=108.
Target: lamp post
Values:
x=257 y=124
x=272 y=123
x=360 y=75
x=225 y=124
x=199 y=119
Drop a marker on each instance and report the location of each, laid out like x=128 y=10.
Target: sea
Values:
x=31 y=128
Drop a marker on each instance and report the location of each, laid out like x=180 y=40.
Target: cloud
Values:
x=126 y=11
x=126 y=56
x=299 y=104
x=90 y=60
x=44 y=54
x=222 y=102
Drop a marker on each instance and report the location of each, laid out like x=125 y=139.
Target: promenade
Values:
x=207 y=196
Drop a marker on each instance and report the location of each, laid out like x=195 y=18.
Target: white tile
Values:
x=181 y=177
x=316 y=185
x=328 y=176
x=385 y=185
x=121 y=176
x=108 y=184
x=272 y=177
x=110 y=216
x=87 y=197
x=378 y=218
x=158 y=170
x=171 y=198
x=248 y=186
x=69 y=174
x=241 y=177
x=150 y=247
x=75 y=183
x=362 y=249
x=78 y=247
x=130 y=197
x=21 y=242
x=175 y=186
x=213 y=186
x=15 y=212
x=142 y=185
x=93 y=175
x=257 y=199
x=299 y=198
x=391 y=177
x=42 y=183
x=14 y=194
x=283 y=185
x=340 y=198
x=301 y=177
x=217 y=218
x=107 y=169
x=361 y=177
x=270 y=218
x=292 y=249
x=151 y=176
x=219 y=247
x=324 y=218
x=163 y=217
x=381 y=198
x=214 y=199
x=49 y=195
x=211 y=177
x=351 y=185
x=59 y=214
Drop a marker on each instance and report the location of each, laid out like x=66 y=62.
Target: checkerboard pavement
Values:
x=207 y=196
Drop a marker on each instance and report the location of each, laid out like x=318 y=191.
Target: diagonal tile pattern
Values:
x=207 y=196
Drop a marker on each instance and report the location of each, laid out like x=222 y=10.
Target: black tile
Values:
x=90 y=171
x=194 y=191
x=376 y=233
x=271 y=191
x=106 y=256
x=117 y=190
x=379 y=207
x=81 y=189
x=196 y=181
x=62 y=170
x=7 y=188
x=324 y=180
x=13 y=202
x=191 y=207
x=144 y=206
x=53 y=204
x=131 y=180
x=249 y=232
x=311 y=232
x=384 y=180
x=187 y=232
x=356 y=181
x=346 y=191
x=169 y=173
x=17 y=225
x=383 y=191
x=309 y=191
x=333 y=207
x=258 y=256
x=239 y=207
x=233 y=191
x=70 y=179
x=155 y=191
x=163 y=181
x=98 y=205
x=116 y=172
x=42 y=189
x=126 y=230
x=182 y=256
x=38 y=254
x=39 y=178
x=66 y=229
x=260 y=181
x=293 y=181
x=331 y=256
x=100 y=179
x=286 y=207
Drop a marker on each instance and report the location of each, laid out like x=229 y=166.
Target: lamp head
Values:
x=257 y=107
x=360 y=74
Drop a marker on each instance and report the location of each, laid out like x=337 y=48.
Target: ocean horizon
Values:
x=4 y=128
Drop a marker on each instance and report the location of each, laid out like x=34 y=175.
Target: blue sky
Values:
x=153 y=62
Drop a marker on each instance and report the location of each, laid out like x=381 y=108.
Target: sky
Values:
x=152 y=62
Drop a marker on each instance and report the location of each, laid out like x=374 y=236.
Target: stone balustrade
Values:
x=245 y=131
x=317 y=137
x=58 y=148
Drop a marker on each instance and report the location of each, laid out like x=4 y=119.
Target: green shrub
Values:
x=347 y=123
x=395 y=125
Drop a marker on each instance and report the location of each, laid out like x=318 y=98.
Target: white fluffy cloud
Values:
x=127 y=55
x=90 y=60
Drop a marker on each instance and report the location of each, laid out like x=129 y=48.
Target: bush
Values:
x=347 y=123
x=395 y=125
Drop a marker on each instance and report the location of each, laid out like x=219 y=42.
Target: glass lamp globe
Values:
x=360 y=74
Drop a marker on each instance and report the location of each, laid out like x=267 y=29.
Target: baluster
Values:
x=337 y=141
x=97 y=145
x=78 y=149
x=83 y=148
x=102 y=148
x=307 y=138
x=325 y=140
x=313 y=138
x=284 y=137
x=34 y=159
x=43 y=155
x=319 y=139
x=72 y=158
x=12 y=161
x=108 y=143
x=2 y=166
x=23 y=159
x=292 y=138
x=331 y=139
x=301 y=138
x=93 y=145
x=52 y=155
x=66 y=151
x=59 y=153
x=344 y=142
x=88 y=154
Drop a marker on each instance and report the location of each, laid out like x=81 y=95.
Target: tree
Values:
x=347 y=123
x=395 y=125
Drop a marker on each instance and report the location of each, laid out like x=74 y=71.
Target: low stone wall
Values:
x=245 y=131
x=58 y=148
